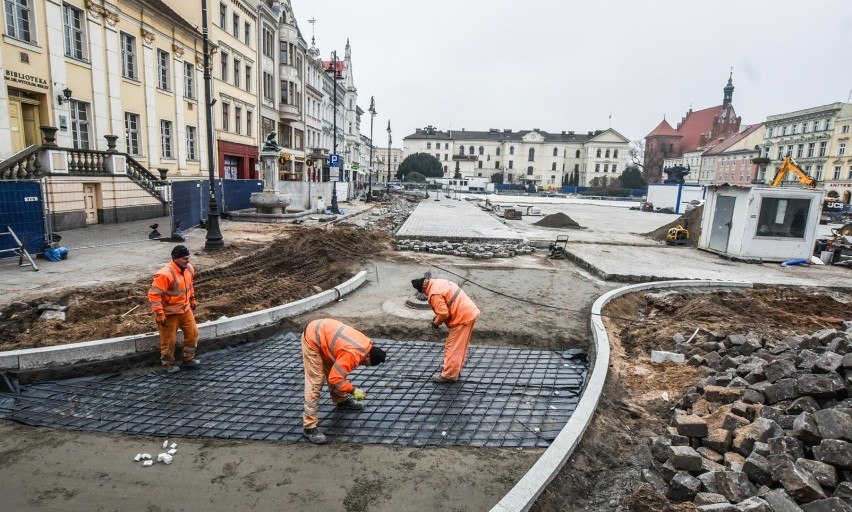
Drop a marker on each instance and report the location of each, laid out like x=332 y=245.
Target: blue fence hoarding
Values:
x=191 y=199
x=22 y=210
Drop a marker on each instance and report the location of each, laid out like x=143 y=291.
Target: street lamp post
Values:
x=214 y=234
x=372 y=111
x=335 y=77
x=389 y=156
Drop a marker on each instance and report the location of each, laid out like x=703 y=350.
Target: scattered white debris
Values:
x=172 y=451
x=552 y=406
x=148 y=463
x=661 y=356
x=444 y=433
x=556 y=392
x=160 y=457
x=174 y=445
x=146 y=456
x=166 y=443
x=167 y=458
x=665 y=396
x=138 y=457
x=536 y=430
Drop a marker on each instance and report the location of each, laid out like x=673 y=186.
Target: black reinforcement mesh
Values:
x=507 y=397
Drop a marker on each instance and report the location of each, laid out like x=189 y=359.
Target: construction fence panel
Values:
x=22 y=210
x=101 y=211
x=191 y=199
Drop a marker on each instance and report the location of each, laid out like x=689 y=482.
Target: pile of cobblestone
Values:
x=387 y=218
x=768 y=429
x=466 y=250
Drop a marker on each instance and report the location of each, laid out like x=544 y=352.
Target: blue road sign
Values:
x=334 y=160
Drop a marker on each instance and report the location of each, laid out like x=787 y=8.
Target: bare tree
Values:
x=648 y=160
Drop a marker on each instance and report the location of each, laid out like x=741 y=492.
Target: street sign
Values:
x=334 y=160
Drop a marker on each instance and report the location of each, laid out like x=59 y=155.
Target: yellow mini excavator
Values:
x=790 y=165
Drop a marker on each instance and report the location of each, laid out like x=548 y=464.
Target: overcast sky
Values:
x=566 y=65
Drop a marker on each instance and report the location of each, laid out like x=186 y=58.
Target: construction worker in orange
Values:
x=452 y=306
x=330 y=351
x=172 y=298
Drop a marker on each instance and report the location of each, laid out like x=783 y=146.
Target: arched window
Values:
x=615 y=153
x=461 y=150
x=553 y=166
x=481 y=150
x=599 y=152
x=498 y=151
x=555 y=152
x=529 y=171
x=607 y=153
x=472 y=151
x=511 y=150
x=531 y=157
x=577 y=155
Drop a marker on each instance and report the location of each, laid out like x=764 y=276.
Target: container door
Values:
x=722 y=220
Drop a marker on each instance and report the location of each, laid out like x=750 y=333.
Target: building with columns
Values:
x=536 y=157
x=815 y=138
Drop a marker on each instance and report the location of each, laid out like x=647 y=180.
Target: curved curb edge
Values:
x=523 y=495
x=99 y=350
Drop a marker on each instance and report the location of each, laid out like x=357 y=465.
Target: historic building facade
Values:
x=815 y=138
x=697 y=129
x=537 y=157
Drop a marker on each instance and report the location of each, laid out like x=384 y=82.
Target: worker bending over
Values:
x=330 y=351
x=172 y=299
x=452 y=306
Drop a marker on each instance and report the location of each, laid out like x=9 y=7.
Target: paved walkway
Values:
x=448 y=219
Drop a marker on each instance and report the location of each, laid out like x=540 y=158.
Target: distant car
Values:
x=695 y=203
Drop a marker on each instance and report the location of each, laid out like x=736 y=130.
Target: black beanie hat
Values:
x=418 y=284
x=179 y=252
x=377 y=356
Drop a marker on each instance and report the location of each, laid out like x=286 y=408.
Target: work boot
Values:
x=172 y=368
x=315 y=436
x=440 y=378
x=351 y=404
x=192 y=363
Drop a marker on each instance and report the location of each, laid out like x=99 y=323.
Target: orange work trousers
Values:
x=316 y=374
x=455 y=349
x=168 y=333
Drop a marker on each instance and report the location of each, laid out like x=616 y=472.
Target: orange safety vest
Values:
x=342 y=348
x=449 y=302
x=172 y=289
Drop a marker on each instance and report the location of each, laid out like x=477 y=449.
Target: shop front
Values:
x=237 y=161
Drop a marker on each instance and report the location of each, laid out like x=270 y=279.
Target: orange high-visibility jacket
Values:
x=172 y=291
x=449 y=302
x=341 y=347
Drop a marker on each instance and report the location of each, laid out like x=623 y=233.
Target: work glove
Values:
x=420 y=296
x=359 y=394
x=435 y=328
x=193 y=304
x=161 y=318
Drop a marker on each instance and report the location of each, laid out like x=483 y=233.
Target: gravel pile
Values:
x=466 y=250
x=768 y=429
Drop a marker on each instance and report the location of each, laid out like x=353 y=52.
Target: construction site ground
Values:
x=45 y=469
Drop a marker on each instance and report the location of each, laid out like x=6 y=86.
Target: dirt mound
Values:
x=557 y=220
x=690 y=220
x=300 y=264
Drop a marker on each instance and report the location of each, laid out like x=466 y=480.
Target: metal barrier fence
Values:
x=22 y=211
x=191 y=199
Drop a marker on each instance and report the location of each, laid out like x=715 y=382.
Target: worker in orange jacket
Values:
x=172 y=299
x=452 y=306
x=330 y=351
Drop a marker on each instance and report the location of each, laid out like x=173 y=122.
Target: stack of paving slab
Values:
x=466 y=250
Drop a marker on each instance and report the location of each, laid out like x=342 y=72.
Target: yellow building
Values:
x=233 y=31
x=121 y=76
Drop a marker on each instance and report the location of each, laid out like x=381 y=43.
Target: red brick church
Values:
x=694 y=130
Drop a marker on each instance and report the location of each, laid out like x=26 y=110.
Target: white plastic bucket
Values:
x=825 y=256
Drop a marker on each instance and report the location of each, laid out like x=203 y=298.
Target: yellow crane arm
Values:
x=789 y=165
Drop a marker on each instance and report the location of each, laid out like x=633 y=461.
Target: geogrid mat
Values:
x=506 y=397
